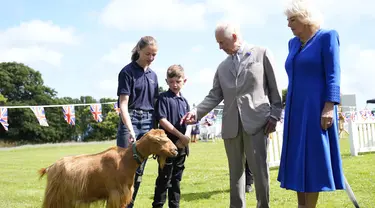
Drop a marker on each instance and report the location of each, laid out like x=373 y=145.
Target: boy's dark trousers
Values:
x=168 y=180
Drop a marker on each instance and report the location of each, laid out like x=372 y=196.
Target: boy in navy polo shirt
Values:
x=171 y=106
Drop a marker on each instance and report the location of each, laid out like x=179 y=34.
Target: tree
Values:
x=3 y=99
x=107 y=129
x=283 y=98
x=74 y=131
x=21 y=83
x=107 y=108
x=161 y=89
x=84 y=116
x=23 y=86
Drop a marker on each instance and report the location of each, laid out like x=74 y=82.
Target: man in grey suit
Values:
x=246 y=82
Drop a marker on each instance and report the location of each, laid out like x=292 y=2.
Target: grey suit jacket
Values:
x=252 y=93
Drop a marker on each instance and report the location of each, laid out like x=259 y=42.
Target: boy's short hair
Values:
x=175 y=71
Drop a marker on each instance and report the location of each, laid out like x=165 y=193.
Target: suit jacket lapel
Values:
x=246 y=53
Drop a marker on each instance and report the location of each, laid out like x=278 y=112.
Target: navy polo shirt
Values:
x=141 y=86
x=173 y=108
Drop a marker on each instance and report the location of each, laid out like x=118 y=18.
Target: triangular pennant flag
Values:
x=4 y=118
x=372 y=116
x=40 y=115
x=117 y=109
x=96 y=110
x=69 y=114
x=368 y=114
x=363 y=114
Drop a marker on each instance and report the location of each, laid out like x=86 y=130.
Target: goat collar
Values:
x=136 y=155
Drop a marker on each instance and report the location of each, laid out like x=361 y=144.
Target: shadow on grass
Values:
x=275 y=168
x=346 y=155
x=199 y=195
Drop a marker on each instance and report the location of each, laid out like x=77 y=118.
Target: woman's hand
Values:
x=327 y=115
x=131 y=137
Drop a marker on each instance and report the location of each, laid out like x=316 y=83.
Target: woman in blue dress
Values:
x=310 y=158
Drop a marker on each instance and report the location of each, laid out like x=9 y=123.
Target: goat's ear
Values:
x=161 y=161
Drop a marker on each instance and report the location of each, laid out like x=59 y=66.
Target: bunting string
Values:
x=61 y=105
x=68 y=111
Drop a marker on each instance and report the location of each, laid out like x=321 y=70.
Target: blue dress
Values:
x=310 y=158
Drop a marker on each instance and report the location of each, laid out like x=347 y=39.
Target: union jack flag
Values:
x=347 y=116
x=369 y=115
x=69 y=114
x=363 y=114
x=353 y=115
x=4 y=118
x=117 y=109
x=96 y=110
x=372 y=116
x=40 y=115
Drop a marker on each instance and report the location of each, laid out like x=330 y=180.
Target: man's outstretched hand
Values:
x=189 y=118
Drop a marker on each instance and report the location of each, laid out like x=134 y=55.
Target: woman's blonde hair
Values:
x=305 y=11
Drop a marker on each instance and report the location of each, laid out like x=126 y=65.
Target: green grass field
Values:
x=205 y=181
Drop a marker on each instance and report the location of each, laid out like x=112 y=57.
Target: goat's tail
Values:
x=42 y=172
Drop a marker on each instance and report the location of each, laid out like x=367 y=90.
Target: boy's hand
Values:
x=183 y=141
x=179 y=144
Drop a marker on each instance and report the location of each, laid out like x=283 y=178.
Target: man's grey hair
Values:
x=229 y=29
x=306 y=11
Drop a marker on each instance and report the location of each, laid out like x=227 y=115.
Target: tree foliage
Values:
x=21 y=85
x=3 y=100
x=161 y=89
